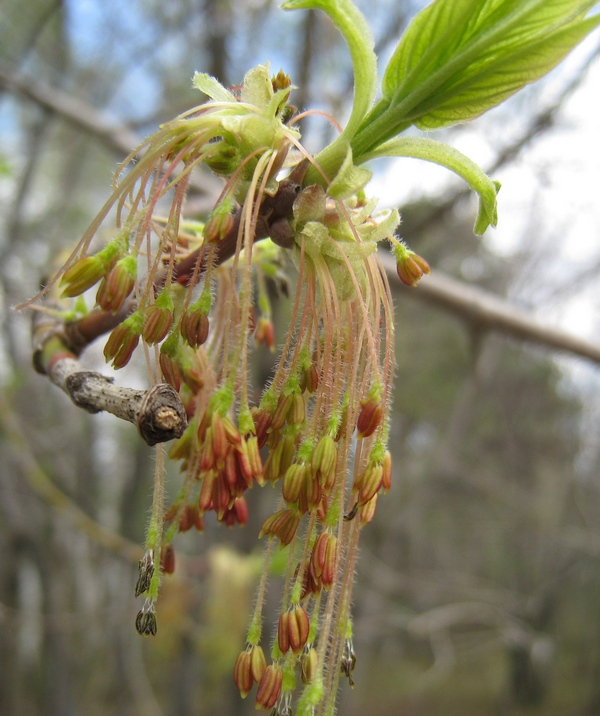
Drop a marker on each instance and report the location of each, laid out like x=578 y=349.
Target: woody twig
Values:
x=157 y=412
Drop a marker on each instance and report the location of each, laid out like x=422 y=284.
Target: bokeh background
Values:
x=479 y=580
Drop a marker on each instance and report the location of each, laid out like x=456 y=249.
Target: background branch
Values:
x=482 y=310
x=158 y=412
x=53 y=496
x=118 y=137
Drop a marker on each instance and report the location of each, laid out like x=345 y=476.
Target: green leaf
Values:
x=490 y=85
x=459 y=58
x=442 y=154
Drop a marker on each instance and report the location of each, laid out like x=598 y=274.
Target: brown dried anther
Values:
x=145 y=574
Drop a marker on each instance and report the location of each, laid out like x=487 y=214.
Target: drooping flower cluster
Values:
x=194 y=294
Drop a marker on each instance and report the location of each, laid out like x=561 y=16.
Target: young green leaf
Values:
x=440 y=153
x=459 y=58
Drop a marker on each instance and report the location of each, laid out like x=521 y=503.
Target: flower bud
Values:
x=282 y=524
x=194 y=327
x=190 y=517
x=234 y=436
x=190 y=367
x=293 y=482
x=367 y=511
x=265 y=333
x=410 y=267
x=368 y=483
x=386 y=478
x=220 y=444
x=243 y=462
x=283 y=406
x=309 y=666
x=269 y=687
x=298 y=628
x=323 y=557
x=222 y=498
x=83 y=275
x=293 y=629
x=258 y=663
x=283 y=637
x=239 y=509
x=236 y=514
x=309 y=379
x=324 y=460
x=186 y=519
x=198 y=519
x=205 y=501
x=117 y=285
x=297 y=411
x=123 y=341
x=370 y=417
x=167 y=559
x=250 y=667
x=242 y=673
x=310 y=204
x=311 y=492
x=262 y=422
x=310 y=585
x=255 y=459
x=219 y=224
x=170 y=370
x=288 y=448
x=158 y=318
x=224 y=158
x=230 y=471
x=208 y=459
x=279 y=458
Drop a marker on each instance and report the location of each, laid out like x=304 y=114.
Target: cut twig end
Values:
x=161 y=416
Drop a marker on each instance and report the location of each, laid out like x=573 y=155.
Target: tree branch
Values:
x=119 y=137
x=483 y=310
x=158 y=413
x=56 y=498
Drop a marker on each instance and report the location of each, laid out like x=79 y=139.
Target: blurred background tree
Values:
x=479 y=580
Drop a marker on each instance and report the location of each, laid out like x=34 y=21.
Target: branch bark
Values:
x=158 y=412
x=483 y=310
x=41 y=483
x=118 y=137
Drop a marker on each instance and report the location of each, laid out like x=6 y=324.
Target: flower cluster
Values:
x=198 y=301
x=193 y=295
